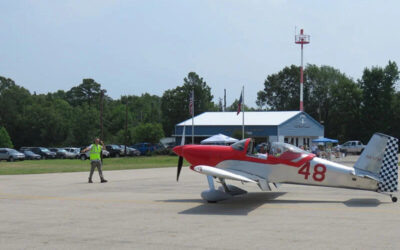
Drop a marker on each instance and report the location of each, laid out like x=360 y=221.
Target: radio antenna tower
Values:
x=301 y=39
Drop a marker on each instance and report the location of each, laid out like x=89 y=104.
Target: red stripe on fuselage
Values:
x=211 y=155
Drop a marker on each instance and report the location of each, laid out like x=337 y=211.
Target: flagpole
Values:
x=243 y=112
x=193 y=118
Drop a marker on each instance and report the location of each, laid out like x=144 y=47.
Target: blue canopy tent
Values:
x=326 y=153
x=325 y=140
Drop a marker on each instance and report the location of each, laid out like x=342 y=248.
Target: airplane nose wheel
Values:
x=394 y=198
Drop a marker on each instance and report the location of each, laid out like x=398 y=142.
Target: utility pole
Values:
x=224 y=100
x=101 y=113
x=126 y=124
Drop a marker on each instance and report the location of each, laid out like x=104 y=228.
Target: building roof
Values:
x=258 y=118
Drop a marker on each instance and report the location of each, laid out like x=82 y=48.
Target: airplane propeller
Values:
x=180 y=161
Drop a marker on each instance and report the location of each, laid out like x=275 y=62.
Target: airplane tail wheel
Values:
x=394 y=198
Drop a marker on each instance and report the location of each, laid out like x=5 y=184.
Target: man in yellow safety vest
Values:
x=95 y=158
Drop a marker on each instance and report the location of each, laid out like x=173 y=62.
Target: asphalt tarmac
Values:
x=147 y=209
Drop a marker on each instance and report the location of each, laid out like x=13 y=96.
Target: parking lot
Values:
x=147 y=209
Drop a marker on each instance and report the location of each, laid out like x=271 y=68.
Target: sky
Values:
x=133 y=47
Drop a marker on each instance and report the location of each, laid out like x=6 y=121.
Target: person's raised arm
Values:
x=85 y=149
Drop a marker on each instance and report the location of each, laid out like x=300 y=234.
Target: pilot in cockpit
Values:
x=277 y=152
x=263 y=151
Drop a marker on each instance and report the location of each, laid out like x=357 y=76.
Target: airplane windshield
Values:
x=239 y=145
x=280 y=149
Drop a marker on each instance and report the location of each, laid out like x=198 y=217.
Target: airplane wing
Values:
x=222 y=173
x=236 y=175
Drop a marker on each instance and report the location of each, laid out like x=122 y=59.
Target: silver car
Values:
x=73 y=151
x=130 y=151
x=354 y=147
x=10 y=154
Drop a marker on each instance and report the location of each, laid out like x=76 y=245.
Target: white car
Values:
x=354 y=147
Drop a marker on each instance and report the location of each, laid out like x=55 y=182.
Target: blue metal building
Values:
x=294 y=127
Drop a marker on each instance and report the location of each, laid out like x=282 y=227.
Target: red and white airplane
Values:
x=375 y=170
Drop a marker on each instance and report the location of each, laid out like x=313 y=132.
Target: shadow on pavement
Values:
x=238 y=205
x=243 y=204
x=364 y=203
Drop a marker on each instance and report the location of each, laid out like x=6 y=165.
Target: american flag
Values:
x=240 y=104
x=191 y=103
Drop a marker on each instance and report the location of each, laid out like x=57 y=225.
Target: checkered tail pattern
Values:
x=389 y=169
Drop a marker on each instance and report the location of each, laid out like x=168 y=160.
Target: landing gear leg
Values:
x=212 y=195
x=226 y=189
x=210 y=182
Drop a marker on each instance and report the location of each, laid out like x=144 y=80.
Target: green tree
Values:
x=148 y=132
x=175 y=102
x=327 y=101
x=13 y=102
x=378 y=92
x=46 y=122
x=281 y=90
x=86 y=92
x=344 y=113
x=5 y=141
x=325 y=97
x=396 y=115
x=235 y=104
x=140 y=109
x=85 y=125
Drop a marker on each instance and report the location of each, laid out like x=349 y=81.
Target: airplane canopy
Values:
x=286 y=151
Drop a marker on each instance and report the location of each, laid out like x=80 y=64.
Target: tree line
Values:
x=347 y=108
x=65 y=118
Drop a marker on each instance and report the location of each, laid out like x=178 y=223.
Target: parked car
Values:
x=354 y=147
x=44 y=153
x=62 y=153
x=74 y=151
x=144 y=147
x=29 y=155
x=10 y=154
x=115 y=150
x=105 y=153
x=86 y=155
x=130 y=151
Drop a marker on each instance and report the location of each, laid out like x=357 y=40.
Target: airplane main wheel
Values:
x=394 y=198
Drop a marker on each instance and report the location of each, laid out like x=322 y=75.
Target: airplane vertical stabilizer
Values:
x=380 y=159
x=389 y=169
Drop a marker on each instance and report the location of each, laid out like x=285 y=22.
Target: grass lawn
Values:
x=60 y=166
